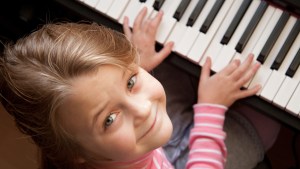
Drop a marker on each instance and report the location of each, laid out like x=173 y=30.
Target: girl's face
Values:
x=116 y=115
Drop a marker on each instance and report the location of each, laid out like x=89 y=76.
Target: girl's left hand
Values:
x=224 y=87
x=143 y=37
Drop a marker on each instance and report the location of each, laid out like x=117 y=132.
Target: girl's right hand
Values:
x=224 y=87
x=143 y=36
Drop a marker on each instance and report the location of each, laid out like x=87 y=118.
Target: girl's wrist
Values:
x=211 y=105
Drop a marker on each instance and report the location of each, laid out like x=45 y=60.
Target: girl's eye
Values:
x=110 y=119
x=131 y=82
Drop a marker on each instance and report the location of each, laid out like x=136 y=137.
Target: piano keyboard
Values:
x=226 y=30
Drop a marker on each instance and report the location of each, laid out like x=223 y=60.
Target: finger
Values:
x=240 y=71
x=126 y=28
x=231 y=67
x=165 y=51
x=249 y=92
x=139 y=19
x=205 y=72
x=162 y=54
x=249 y=74
x=154 y=23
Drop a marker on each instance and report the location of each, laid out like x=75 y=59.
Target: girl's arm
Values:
x=143 y=37
x=207 y=148
x=215 y=94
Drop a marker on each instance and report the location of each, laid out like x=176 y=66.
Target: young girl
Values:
x=249 y=133
x=79 y=91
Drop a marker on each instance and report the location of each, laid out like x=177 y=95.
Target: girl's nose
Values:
x=140 y=109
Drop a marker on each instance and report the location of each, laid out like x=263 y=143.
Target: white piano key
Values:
x=131 y=11
x=285 y=92
x=223 y=58
x=276 y=79
x=91 y=3
x=104 y=5
x=186 y=41
x=189 y=34
x=133 y=8
x=293 y=105
x=176 y=34
x=117 y=8
x=165 y=27
x=273 y=84
x=149 y=3
x=169 y=7
x=261 y=77
x=212 y=52
x=264 y=72
x=180 y=26
x=215 y=47
x=195 y=55
x=168 y=22
x=213 y=28
x=289 y=84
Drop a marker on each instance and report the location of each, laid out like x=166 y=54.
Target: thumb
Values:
x=126 y=28
x=205 y=72
x=165 y=51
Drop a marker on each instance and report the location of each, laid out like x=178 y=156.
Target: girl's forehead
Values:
x=103 y=69
x=106 y=80
x=89 y=91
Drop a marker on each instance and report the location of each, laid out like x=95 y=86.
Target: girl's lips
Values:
x=153 y=124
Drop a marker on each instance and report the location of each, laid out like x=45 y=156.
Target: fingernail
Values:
x=172 y=43
x=258 y=86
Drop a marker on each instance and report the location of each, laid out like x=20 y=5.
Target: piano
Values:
x=223 y=30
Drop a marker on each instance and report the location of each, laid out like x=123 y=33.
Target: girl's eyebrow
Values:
x=101 y=108
x=98 y=113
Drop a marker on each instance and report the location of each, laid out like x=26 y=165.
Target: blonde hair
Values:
x=36 y=74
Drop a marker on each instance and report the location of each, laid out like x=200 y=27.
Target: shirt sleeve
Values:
x=207 y=147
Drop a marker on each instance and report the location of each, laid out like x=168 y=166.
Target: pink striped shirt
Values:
x=207 y=147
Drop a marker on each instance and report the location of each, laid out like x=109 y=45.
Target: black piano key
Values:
x=196 y=12
x=251 y=26
x=181 y=9
x=157 y=4
x=286 y=46
x=211 y=16
x=273 y=37
x=294 y=65
x=236 y=20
